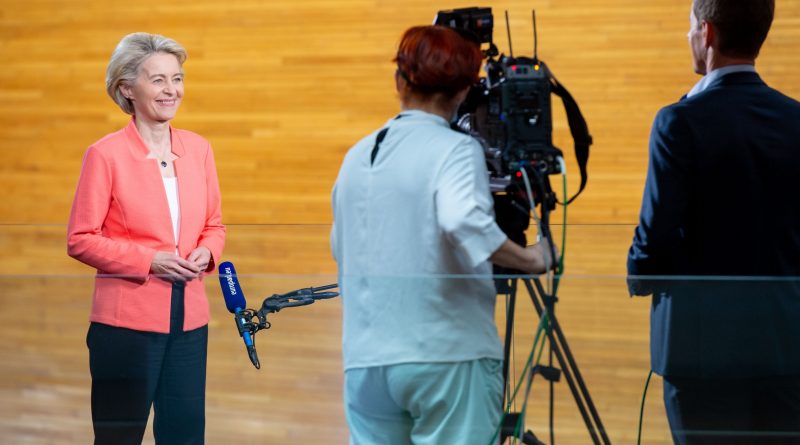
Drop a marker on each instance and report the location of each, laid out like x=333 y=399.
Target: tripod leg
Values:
x=530 y=439
x=509 y=428
x=576 y=384
x=512 y=298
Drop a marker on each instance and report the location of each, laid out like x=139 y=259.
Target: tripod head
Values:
x=528 y=186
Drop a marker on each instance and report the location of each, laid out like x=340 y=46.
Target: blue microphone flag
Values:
x=231 y=290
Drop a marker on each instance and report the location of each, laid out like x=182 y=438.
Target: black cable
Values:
x=641 y=410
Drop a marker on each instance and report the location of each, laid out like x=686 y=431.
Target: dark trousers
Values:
x=133 y=371
x=763 y=411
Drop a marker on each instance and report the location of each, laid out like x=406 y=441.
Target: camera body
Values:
x=508 y=110
x=477 y=22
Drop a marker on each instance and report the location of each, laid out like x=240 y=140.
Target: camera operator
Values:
x=413 y=236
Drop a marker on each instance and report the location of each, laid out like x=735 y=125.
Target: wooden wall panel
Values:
x=282 y=88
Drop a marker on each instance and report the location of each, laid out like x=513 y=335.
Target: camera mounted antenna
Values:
x=535 y=38
x=508 y=32
x=509 y=109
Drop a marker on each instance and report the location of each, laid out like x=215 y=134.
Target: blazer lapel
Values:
x=151 y=185
x=183 y=171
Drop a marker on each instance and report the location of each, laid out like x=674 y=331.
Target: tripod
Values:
x=509 y=210
x=558 y=347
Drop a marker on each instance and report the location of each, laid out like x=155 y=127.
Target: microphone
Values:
x=235 y=302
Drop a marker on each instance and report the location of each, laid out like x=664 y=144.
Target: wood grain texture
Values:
x=282 y=89
x=296 y=396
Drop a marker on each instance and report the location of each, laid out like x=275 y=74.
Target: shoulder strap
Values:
x=578 y=128
x=378 y=139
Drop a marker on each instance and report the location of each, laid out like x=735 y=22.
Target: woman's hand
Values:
x=171 y=267
x=533 y=259
x=200 y=257
x=542 y=256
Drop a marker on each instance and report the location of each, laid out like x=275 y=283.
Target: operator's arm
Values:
x=464 y=207
x=531 y=259
x=465 y=213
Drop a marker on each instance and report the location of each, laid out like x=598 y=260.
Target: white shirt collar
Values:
x=716 y=74
x=424 y=115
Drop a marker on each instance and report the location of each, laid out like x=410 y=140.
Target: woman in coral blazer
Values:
x=147 y=216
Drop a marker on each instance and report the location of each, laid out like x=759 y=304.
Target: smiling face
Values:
x=158 y=89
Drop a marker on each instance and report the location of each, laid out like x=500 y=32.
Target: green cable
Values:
x=560 y=268
x=538 y=360
x=541 y=350
x=524 y=409
x=511 y=399
x=641 y=411
x=518 y=426
x=540 y=329
x=518 y=387
x=528 y=362
x=544 y=319
x=564 y=230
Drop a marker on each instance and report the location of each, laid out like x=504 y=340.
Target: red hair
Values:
x=436 y=59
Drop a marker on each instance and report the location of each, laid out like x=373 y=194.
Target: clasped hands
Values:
x=171 y=267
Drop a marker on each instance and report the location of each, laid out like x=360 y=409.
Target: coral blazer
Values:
x=120 y=218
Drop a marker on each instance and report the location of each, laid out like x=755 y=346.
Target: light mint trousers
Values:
x=424 y=403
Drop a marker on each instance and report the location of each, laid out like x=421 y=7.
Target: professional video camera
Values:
x=509 y=110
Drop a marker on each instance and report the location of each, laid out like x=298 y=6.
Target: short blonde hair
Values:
x=129 y=54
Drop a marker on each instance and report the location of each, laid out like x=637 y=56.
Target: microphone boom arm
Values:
x=300 y=297
x=252 y=321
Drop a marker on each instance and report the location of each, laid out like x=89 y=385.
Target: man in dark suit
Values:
x=718 y=242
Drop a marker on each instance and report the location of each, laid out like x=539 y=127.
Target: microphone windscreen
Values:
x=231 y=290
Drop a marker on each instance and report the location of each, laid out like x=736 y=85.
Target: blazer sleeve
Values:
x=658 y=246
x=213 y=233
x=85 y=239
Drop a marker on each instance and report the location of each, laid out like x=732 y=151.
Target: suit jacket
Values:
x=120 y=218
x=718 y=223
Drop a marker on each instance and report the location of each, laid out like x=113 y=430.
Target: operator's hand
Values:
x=542 y=256
x=171 y=267
x=533 y=259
